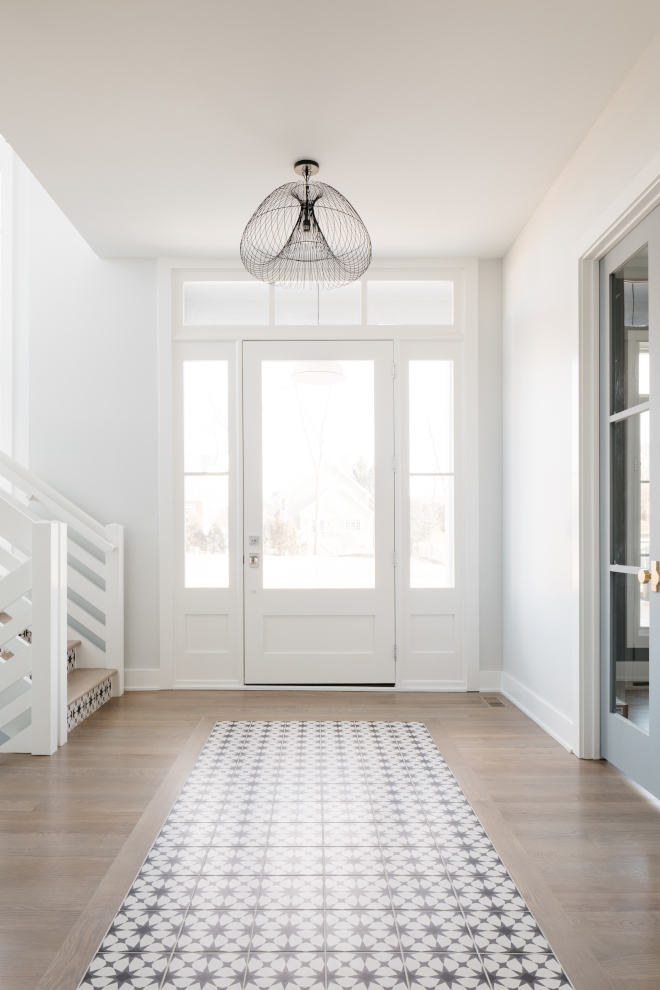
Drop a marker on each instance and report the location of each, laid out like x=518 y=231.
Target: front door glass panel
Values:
x=206 y=473
x=431 y=469
x=318 y=474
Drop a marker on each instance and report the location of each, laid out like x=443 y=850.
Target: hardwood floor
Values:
x=580 y=841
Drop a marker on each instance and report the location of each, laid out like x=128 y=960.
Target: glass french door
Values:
x=630 y=504
x=318 y=419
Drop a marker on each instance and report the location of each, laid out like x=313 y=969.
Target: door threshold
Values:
x=316 y=685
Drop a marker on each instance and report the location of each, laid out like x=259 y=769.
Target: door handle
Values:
x=254 y=560
x=653 y=576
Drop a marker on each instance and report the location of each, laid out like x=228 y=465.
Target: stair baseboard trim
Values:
x=144 y=679
x=552 y=721
x=490 y=680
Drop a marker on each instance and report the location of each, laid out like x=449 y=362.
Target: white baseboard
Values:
x=183 y=685
x=207 y=686
x=146 y=679
x=430 y=686
x=552 y=721
x=490 y=680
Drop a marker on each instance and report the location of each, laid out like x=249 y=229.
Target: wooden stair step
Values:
x=84 y=679
x=72 y=643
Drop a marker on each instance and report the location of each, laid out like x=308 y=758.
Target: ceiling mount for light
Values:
x=306 y=235
x=306 y=167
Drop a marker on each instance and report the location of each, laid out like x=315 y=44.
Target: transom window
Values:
x=372 y=302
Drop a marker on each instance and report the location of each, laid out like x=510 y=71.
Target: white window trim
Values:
x=464 y=271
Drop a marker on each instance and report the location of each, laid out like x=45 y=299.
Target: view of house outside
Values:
x=431 y=468
x=318 y=477
x=206 y=466
x=318 y=474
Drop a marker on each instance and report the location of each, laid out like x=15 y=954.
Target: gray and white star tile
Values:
x=347 y=811
x=422 y=860
x=206 y=971
x=297 y=812
x=357 y=892
x=525 y=972
x=125 y=971
x=295 y=834
x=174 y=861
x=323 y=855
x=288 y=931
x=287 y=971
x=234 y=860
x=139 y=930
x=473 y=862
x=512 y=931
x=231 y=893
x=425 y=893
x=241 y=834
x=434 y=931
x=487 y=894
x=445 y=971
x=216 y=931
x=293 y=860
x=365 y=971
x=361 y=931
x=287 y=892
x=160 y=892
x=350 y=834
x=353 y=860
x=185 y=834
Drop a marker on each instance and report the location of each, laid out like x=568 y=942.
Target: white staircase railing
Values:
x=33 y=675
x=92 y=579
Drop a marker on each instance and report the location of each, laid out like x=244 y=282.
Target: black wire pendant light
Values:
x=306 y=235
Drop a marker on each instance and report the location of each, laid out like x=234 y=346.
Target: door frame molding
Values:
x=169 y=334
x=639 y=198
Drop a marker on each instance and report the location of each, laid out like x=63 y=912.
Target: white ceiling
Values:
x=158 y=126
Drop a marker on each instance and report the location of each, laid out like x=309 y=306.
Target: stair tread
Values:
x=83 y=679
x=72 y=643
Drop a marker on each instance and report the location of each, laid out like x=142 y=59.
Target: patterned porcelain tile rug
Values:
x=323 y=854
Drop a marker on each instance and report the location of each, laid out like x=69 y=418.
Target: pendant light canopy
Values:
x=306 y=235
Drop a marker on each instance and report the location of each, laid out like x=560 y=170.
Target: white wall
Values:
x=541 y=531
x=490 y=474
x=92 y=416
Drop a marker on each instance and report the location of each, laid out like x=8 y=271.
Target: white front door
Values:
x=319 y=512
